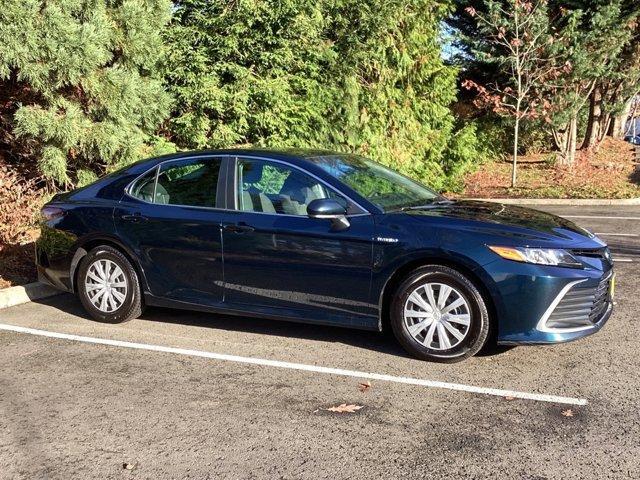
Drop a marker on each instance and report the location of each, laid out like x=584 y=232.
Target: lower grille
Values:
x=581 y=306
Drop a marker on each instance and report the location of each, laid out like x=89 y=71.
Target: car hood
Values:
x=523 y=224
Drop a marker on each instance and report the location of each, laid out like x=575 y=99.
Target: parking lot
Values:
x=70 y=408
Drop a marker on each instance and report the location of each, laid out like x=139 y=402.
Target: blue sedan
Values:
x=325 y=238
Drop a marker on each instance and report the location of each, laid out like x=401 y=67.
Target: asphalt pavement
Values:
x=148 y=404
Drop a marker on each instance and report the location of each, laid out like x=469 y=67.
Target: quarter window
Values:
x=269 y=187
x=144 y=186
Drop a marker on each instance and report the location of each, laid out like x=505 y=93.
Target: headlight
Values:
x=540 y=256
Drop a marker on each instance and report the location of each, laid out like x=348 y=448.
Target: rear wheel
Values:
x=108 y=286
x=438 y=314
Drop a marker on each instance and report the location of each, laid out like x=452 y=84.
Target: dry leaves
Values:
x=128 y=466
x=364 y=386
x=567 y=413
x=344 y=408
x=604 y=173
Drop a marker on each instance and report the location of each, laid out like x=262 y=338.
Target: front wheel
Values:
x=438 y=314
x=108 y=286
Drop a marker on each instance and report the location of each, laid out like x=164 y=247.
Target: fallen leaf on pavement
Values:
x=509 y=398
x=128 y=466
x=567 y=413
x=364 y=386
x=344 y=408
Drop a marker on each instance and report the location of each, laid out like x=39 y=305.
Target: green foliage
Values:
x=272 y=179
x=80 y=78
x=157 y=146
x=53 y=164
x=85 y=177
x=362 y=76
x=593 y=35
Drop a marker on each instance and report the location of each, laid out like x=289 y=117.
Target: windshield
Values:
x=387 y=189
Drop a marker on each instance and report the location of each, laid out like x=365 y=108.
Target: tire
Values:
x=422 y=332
x=125 y=301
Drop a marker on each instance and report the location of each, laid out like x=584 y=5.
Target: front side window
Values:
x=270 y=187
x=378 y=184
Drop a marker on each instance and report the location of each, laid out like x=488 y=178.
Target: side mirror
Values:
x=329 y=209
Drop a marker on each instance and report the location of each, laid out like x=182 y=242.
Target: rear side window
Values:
x=191 y=182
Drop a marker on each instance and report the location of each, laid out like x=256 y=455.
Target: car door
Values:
x=278 y=259
x=169 y=218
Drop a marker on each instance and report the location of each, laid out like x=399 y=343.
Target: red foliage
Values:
x=20 y=200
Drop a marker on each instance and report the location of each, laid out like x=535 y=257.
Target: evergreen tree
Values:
x=594 y=38
x=365 y=76
x=619 y=83
x=79 y=83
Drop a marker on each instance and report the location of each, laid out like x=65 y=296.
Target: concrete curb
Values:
x=25 y=293
x=561 y=201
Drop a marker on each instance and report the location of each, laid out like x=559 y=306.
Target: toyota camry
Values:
x=324 y=238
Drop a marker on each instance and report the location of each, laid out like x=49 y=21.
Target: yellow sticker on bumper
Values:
x=612 y=286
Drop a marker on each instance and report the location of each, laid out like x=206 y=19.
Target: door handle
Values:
x=135 y=218
x=238 y=227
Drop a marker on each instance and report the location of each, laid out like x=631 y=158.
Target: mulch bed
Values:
x=611 y=172
x=17 y=265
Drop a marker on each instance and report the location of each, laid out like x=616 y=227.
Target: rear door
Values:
x=171 y=220
x=278 y=259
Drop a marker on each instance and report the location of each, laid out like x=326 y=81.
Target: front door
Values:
x=276 y=258
x=170 y=220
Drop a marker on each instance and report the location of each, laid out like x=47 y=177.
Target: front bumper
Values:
x=542 y=305
x=541 y=338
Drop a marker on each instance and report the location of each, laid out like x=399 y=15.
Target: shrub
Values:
x=80 y=81
x=361 y=76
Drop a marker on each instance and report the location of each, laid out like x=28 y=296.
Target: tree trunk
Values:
x=595 y=120
x=619 y=123
x=560 y=140
x=573 y=140
x=566 y=141
x=516 y=132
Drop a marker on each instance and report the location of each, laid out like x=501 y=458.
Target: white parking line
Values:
x=300 y=366
x=598 y=216
x=618 y=234
x=629 y=260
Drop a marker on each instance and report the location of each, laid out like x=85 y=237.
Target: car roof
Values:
x=293 y=155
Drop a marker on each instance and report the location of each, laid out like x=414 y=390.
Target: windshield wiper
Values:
x=444 y=201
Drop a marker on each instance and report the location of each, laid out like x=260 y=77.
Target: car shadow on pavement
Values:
x=375 y=341
x=384 y=343
x=380 y=342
